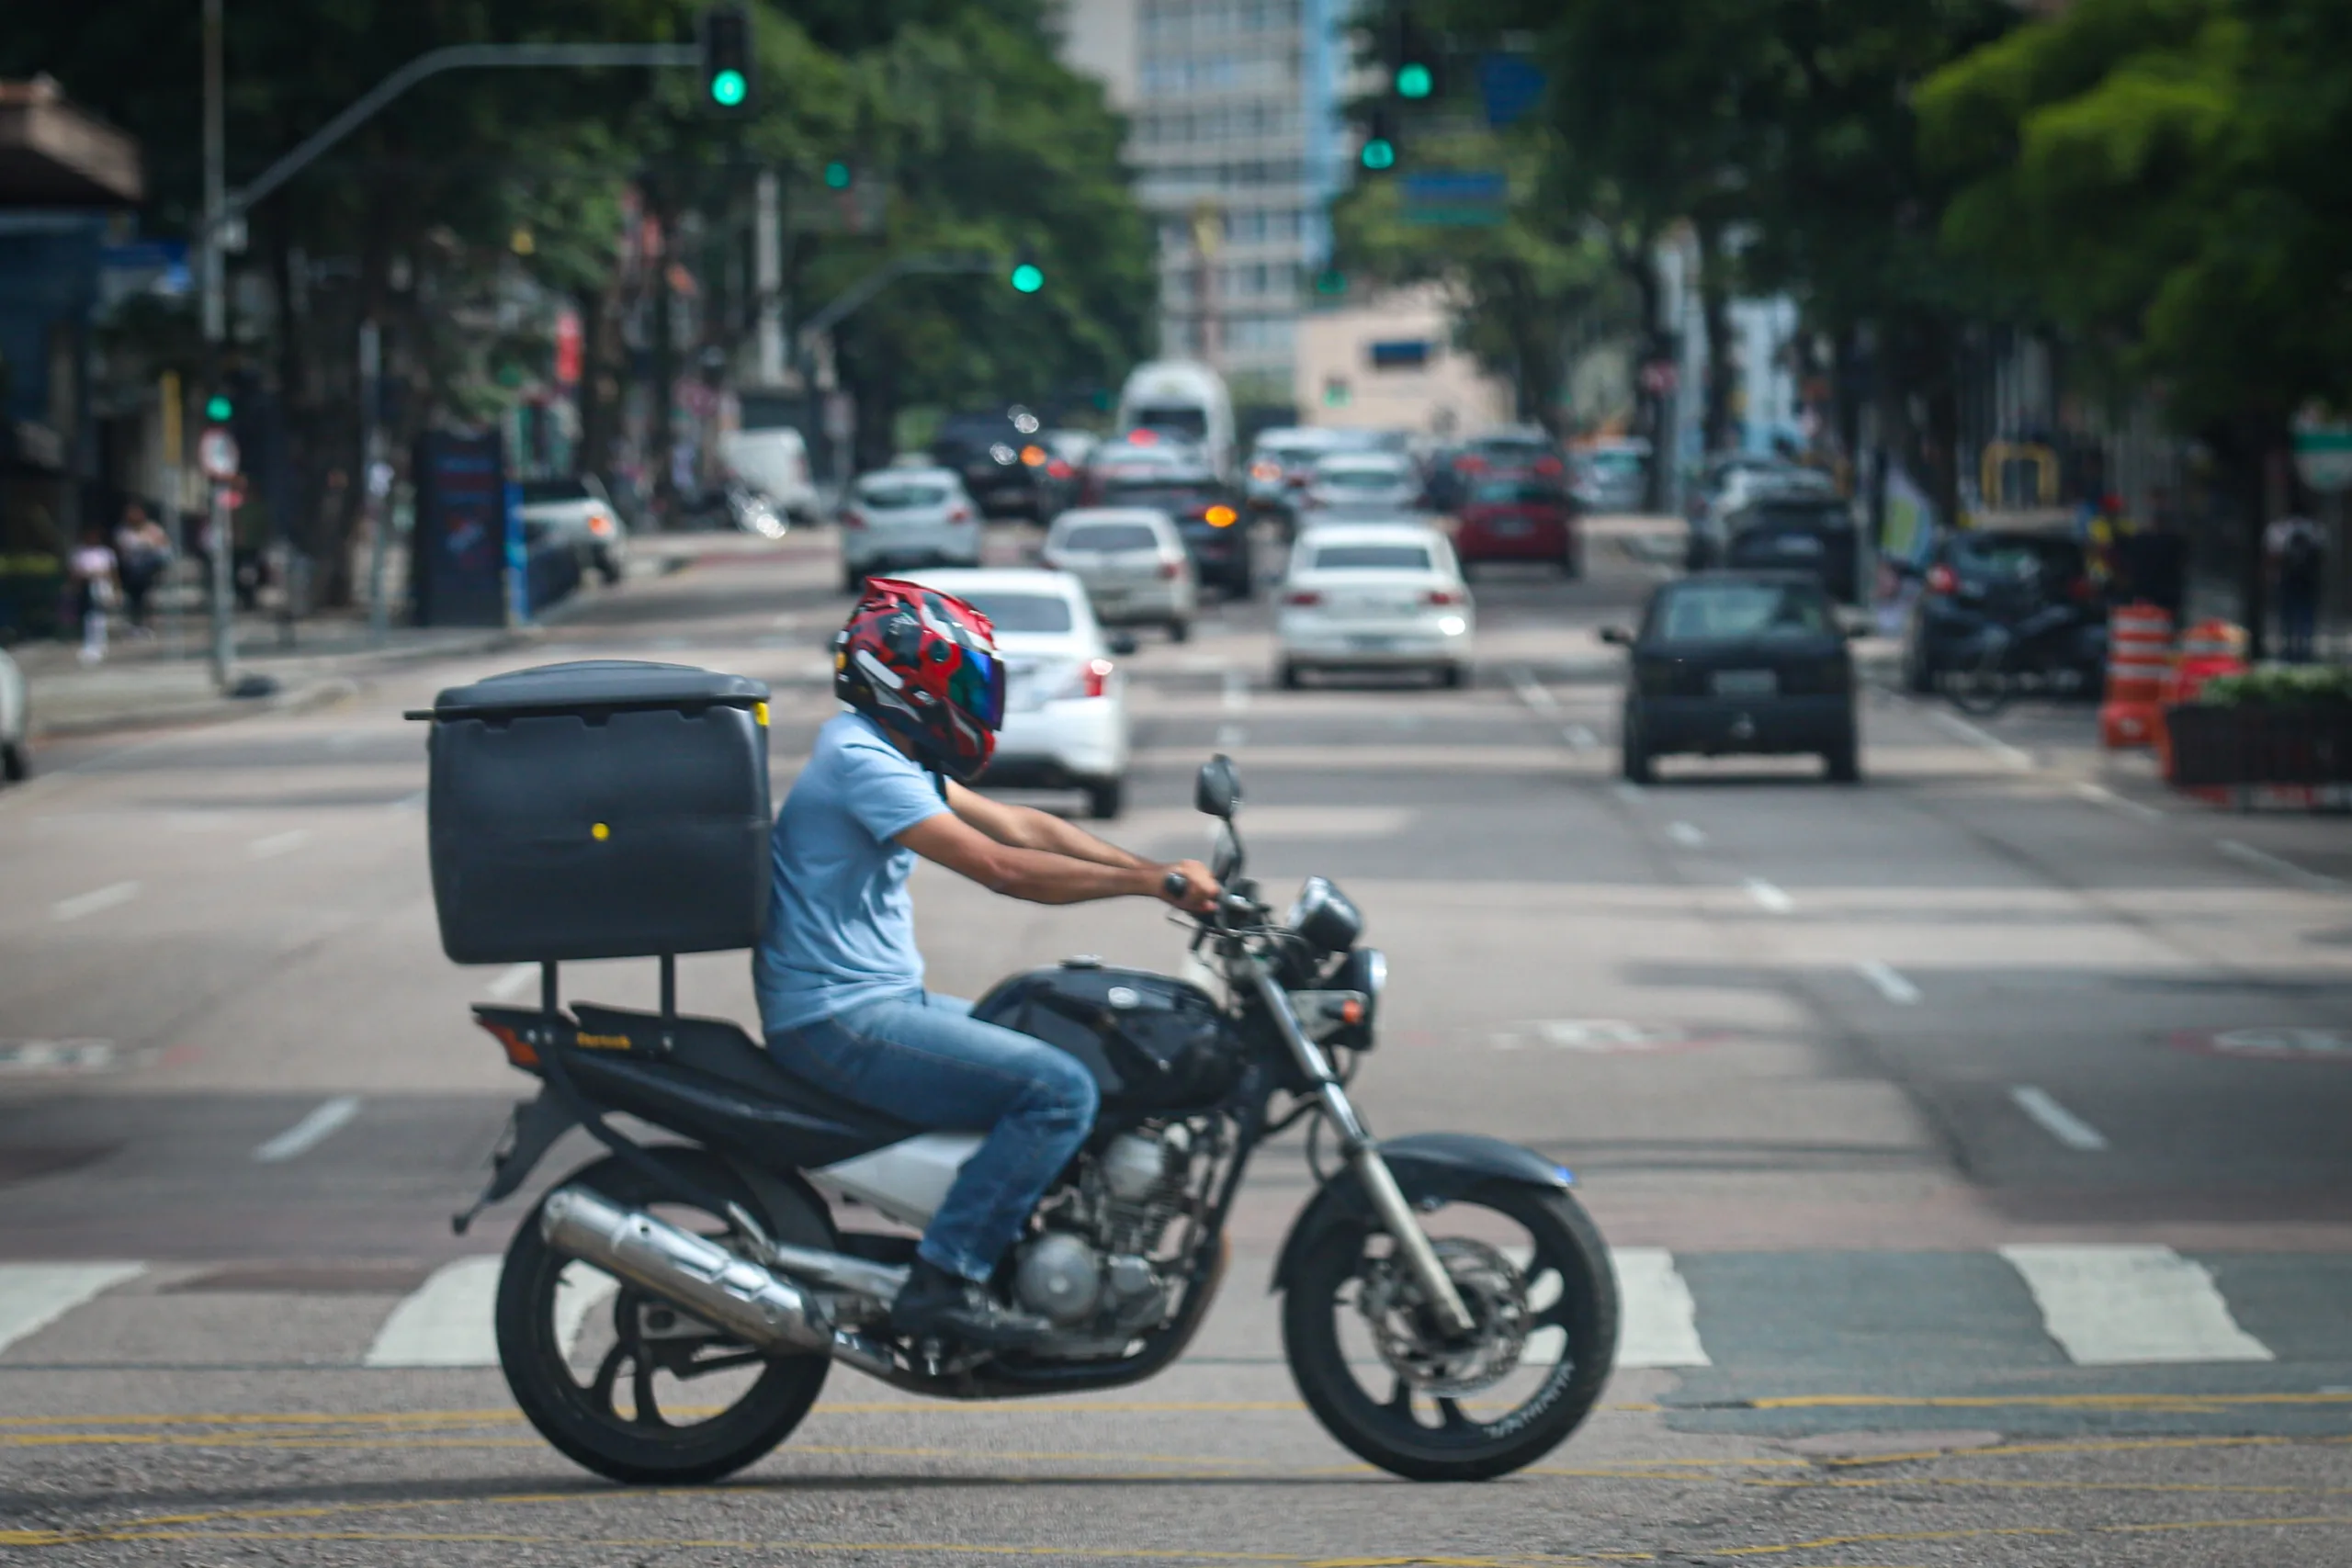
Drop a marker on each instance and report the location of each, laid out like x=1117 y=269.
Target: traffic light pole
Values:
x=219 y=559
x=849 y=300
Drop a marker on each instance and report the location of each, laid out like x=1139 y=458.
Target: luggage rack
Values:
x=551 y=1000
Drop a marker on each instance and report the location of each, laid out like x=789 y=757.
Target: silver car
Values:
x=904 y=517
x=578 y=511
x=1132 y=564
x=1350 y=484
x=16 y=722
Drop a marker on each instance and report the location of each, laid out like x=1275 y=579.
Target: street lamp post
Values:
x=220 y=556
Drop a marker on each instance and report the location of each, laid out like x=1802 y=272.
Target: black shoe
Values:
x=934 y=1304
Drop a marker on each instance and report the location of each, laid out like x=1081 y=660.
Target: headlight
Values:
x=1326 y=916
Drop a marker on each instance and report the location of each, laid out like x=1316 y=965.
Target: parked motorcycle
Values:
x=668 y=1313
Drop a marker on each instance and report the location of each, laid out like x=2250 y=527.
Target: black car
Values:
x=1210 y=517
x=2000 y=576
x=1739 y=662
x=1002 y=459
x=1798 y=533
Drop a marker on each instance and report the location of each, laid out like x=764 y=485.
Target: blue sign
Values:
x=1510 y=86
x=1456 y=197
x=467 y=531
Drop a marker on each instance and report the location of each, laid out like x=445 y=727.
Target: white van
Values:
x=776 y=463
x=1184 y=396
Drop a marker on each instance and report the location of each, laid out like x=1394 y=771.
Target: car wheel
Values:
x=1844 y=762
x=14 y=765
x=1572 y=564
x=1633 y=755
x=1918 y=675
x=1180 y=631
x=1449 y=676
x=1106 y=800
x=853 y=580
x=1286 y=677
x=607 y=568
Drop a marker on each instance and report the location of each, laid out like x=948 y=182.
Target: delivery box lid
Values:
x=597 y=685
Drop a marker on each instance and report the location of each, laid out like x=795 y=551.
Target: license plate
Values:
x=1746 y=682
x=1797 y=545
x=1370 y=642
x=1511 y=527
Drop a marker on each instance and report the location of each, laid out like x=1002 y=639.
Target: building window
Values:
x=1400 y=353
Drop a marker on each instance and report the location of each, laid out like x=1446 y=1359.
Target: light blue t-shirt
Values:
x=841 y=926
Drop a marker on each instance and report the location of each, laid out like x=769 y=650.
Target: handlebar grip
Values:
x=1172 y=886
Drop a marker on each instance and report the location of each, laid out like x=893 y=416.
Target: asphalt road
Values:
x=1971 y=1140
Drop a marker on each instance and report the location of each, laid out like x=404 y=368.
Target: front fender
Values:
x=1429 y=1167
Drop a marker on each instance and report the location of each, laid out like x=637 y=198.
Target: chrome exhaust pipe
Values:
x=690 y=1271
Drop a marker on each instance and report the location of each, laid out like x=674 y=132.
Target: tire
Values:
x=1919 y=674
x=1844 y=762
x=16 y=766
x=853 y=580
x=1450 y=677
x=1180 y=631
x=608 y=568
x=1584 y=1309
x=588 y=1427
x=1981 y=690
x=1632 y=756
x=1104 y=801
x=1286 y=677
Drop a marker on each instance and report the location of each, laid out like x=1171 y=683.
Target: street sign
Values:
x=1457 y=198
x=1660 y=377
x=2322 y=452
x=216 y=454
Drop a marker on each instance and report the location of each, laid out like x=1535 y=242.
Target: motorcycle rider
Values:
x=839 y=976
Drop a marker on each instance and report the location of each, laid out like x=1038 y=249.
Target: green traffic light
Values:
x=727 y=88
x=218 y=409
x=837 y=175
x=1330 y=280
x=1028 y=277
x=1414 y=81
x=1379 y=153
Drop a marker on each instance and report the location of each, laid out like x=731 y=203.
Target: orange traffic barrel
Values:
x=2139 y=663
x=2212 y=647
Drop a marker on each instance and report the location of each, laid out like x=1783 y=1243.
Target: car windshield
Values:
x=1507 y=452
x=901 y=497
x=1715 y=612
x=1616 y=463
x=1111 y=536
x=1797 y=516
x=1022 y=611
x=1166 y=494
x=536 y=493
x=1509 y=492
x=2008 y=556
x=1372 y=557
x=1360 y=478
x=1191 y=422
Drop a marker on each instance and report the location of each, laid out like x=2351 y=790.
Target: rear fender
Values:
x=1429 y=1167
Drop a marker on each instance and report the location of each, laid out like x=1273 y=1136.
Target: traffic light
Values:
x=1415 y=63
x=219 y=408
x=1330 y=283
x=838 y=176
x=726 y=59
x=1027 y=276
x=1378 y=153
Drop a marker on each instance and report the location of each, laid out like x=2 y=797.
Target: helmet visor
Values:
x=977 y=688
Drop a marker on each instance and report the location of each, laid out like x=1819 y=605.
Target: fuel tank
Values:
x=1154 y=1044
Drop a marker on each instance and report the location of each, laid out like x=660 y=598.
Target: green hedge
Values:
x=2281 y=685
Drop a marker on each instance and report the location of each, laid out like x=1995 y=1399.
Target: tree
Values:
x=2164 y=177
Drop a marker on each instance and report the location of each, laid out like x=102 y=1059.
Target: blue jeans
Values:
x=924 y=1059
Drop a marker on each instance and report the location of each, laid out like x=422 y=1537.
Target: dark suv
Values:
x=1002 y=465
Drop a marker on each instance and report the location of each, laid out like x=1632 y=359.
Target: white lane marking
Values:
x=346 y=740
x=278 y=843
x=1657 y=1319
x=448 y=1321
x=512 y=981
x=2116 y=1305
x=1231 y=735
x=410 y=802
x=34 y=1295
x=324 y=1121
x=1687 y=835
x=1629 y=793
x=1237 y=692
x=579 y=1291
x=1579 y=738
x=2284 y=870
x=1531 y=691
x=2057 y=1121
x=90 y=903
x=1768 y=897
x=2099 y=794
x=1888 y=980
x=2010 y=757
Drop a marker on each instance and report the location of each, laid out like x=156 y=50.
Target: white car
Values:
x=773 y=462
x=1065 y=704
x=578 y=511
x=1133 y=563
x=901 y=518
x=16 y=722
x=1362 y=482
x=1282 y=461
x=1375 y=595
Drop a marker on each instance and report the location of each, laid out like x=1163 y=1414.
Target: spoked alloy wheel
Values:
x=1384 y=1378
x=629 y=1385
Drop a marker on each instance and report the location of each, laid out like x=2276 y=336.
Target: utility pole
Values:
x=374 y=490
x=222 y=556
x=768 y=276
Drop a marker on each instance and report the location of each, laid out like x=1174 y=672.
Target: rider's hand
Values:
x=1200 y=889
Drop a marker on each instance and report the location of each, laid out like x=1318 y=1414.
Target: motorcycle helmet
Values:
x=923 y=665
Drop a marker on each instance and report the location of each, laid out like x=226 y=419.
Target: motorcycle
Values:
x=668 y=1313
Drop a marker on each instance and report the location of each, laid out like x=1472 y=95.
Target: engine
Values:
x=1093 y=1268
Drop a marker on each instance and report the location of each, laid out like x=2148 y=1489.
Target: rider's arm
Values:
x=1045 y=876
x=1026 y=828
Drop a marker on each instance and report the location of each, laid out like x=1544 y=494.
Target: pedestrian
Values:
x=2298 y=561
x=96 y=590
x=142 y=552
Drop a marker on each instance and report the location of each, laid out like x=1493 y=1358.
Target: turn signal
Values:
x=1032 y=456
x=1265 y=473
x=1943 y=580
x=1303 y=597
x=1169 y=570
x=518 y=1051
x=1220 y=517
x=1097 y=677
x=959 y=514
x=1444 y=596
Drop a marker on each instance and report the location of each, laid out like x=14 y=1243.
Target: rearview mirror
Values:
x=1217 y=791
x=1617 y=634
x=1122 y=644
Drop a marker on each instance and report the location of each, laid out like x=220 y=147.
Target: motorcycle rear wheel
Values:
x=622 y=1421
x=1420 y=1431
x=1983 y=688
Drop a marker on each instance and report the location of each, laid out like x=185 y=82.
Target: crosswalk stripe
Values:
x=446 y=1322
x=34 y=1295
x=1658 y=1319
x=2120 y=1305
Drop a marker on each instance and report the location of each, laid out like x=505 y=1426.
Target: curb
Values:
x=306 y=698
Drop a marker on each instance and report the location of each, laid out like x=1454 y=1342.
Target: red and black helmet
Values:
x=923 y=665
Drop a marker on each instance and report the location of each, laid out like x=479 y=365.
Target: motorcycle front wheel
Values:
x=1384 y=1380
x=627 y=1385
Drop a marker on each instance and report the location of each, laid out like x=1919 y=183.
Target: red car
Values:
x=1517 y=519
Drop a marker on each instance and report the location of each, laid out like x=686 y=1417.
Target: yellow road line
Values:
x=2163 y=1402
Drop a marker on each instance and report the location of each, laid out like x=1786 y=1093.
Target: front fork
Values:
x=1362 y=1156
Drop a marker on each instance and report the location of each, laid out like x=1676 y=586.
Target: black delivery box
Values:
x=608 y=808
